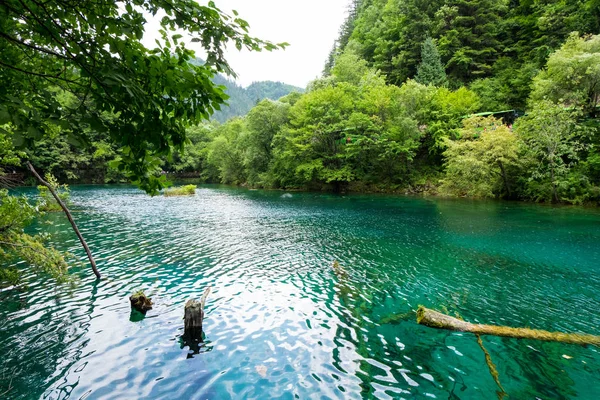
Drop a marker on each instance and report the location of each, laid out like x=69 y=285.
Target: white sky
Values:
x=309 y=26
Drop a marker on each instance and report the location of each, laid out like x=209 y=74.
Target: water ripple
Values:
x=281 y=324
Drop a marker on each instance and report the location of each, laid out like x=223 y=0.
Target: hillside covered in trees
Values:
x=464 y=98
x=407 y=103
x=495 y=47
x=241 y=99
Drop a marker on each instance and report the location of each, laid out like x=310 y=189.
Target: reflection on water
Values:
x=282 y=323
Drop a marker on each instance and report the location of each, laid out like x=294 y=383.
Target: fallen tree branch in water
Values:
x=69 y=217
x=492 y=367
x=396 y=318
x=434 y=319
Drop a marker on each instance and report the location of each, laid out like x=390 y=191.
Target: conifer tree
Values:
x=431 y=70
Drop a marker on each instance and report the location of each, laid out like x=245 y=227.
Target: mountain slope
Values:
x=241 y=100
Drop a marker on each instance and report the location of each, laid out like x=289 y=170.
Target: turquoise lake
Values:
x=281 y=324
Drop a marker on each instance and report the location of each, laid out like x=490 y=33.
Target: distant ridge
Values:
x=241 y=99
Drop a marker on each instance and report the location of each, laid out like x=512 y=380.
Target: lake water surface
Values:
x=281 y=324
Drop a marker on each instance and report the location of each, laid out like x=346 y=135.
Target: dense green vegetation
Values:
x=391 y=112
x=495 y=46
x=354 y=131
x=186 y=190
x=46 y=201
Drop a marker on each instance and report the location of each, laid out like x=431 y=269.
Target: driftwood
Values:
x=434 y=319
x=69 y=217
x=193 y=317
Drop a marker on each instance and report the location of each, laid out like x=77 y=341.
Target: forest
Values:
x=471 y=98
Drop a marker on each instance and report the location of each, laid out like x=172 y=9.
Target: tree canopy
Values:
x=91 y=51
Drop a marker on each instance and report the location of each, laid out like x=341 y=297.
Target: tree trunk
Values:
x=434 y=319
x=69 y=217
x=505 y=179
x=554 y=193
x=193 y=317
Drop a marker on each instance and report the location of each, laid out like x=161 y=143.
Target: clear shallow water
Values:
x=280 y=324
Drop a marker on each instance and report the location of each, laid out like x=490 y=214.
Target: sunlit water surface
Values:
x=281 y=324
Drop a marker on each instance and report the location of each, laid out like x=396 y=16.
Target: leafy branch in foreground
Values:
x=46 y=201
x=15 y=214
x=92 y=50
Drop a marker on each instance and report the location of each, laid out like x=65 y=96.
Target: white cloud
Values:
x=309 y=26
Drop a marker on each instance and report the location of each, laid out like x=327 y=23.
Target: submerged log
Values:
x=434 y=319
x=140 y=302
x=493 y=370
x=193 y=317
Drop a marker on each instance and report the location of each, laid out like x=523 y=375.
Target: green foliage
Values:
x=572 y=76
x=193 y=159
x=430 y=71
x=479 y=163
x=226 y=152
x=349 y=67
x=352 y=130
x=469 y=36
x=446 y=109
x=262 y=123
x=79 y=89
x=508 y=89
x=312 y=151
x=365 y=124
x=47 y=202
x=93 y=51
x=15 y=214
x=553 y=141
x=350 y=127
x=186 y=190
x=500 y=43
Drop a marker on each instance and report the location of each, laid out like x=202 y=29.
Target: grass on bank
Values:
x=186 y=190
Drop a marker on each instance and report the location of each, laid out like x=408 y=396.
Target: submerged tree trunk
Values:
x=434 y=319
x=492 y=367
x=69 y=217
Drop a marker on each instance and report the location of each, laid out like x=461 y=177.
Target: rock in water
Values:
x=140 y=302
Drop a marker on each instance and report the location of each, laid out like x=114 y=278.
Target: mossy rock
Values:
x=141 y=302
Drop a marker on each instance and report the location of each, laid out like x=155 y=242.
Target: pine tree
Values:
x=430 y=71
x=469 y=35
